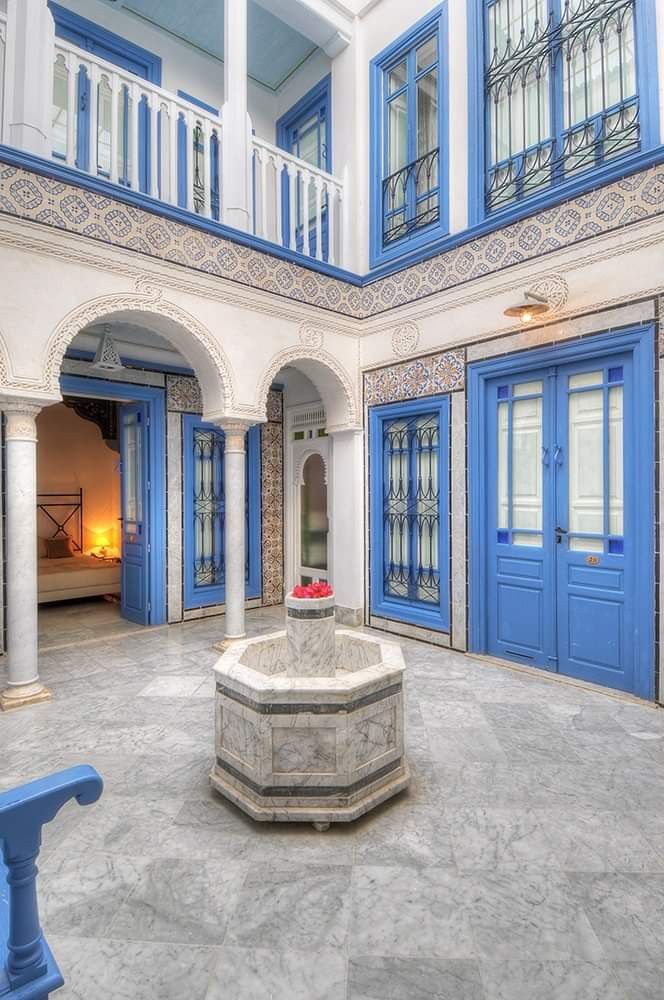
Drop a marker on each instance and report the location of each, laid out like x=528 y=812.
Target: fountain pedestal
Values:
x=323 y=746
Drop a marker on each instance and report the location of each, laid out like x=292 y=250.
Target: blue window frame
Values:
x=305 y=130
x=204 y=511
x=409 y=504
x=408 y=129
x=134 y=59
x=559 y=91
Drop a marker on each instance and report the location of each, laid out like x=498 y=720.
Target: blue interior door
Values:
x=561 y=519
x=135 y=596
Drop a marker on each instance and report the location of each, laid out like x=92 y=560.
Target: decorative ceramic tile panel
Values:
x=183 y=394
x=272 y=485
x=427 y=376
x=66 y=206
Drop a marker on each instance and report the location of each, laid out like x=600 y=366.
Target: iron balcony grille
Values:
x=411 y=197
x=560 y=95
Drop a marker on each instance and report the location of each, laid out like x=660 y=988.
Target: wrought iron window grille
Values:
x=208 y=507
x=536 y=79
x=411 y=197
x=411 y=509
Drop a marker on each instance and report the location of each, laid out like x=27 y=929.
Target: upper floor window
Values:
x=561 y=89
x=409 y=159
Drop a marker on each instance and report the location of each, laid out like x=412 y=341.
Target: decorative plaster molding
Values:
x=405 y=339
x=311 y=336
x=21 y=419
x=554 y=289
x=294 y=354
x=97 y=309
x=298 y=472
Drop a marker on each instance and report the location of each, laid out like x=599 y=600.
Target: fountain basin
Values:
x=310 y=748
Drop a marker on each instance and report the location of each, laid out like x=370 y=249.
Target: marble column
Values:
x=24 y=686
x=235 y=542
x=236 y=190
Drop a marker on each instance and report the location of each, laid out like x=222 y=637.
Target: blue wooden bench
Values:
x=28 y=970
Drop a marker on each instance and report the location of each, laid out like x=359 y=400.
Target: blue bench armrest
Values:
x=27 y=968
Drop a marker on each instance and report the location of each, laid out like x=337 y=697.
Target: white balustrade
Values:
x=297 y=204
x=110 y=123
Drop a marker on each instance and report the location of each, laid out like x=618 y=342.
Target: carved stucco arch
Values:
x=327 y=374
x=5 y=367
x=187 y=334
x=301 y=461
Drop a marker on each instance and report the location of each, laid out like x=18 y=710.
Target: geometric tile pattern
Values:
x=68 y=207
x=183 y=394
x=411 y=379
x=272 y=502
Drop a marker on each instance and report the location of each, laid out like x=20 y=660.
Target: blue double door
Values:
x=563 y=545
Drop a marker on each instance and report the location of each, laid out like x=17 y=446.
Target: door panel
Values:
x=595 y=546
x=561 y=519
x=520 y=614
x=135 y=604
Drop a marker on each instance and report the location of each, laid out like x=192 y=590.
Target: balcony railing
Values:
x=110 y=123
x=411 y=197
x=297 y=205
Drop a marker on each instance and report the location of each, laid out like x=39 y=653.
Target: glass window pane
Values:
x=208 y=512
x=427 y=518
x=427 y=113
x=503 y=438
x=104 y=117
x=525 y=538
x=586 y=544
x=313 y=515
x=586 y=378
x=427 y=54
x=397 y=141
x=526 y=388
x=59 y=109
x=527 y=463
x=586 y=461
x=132 y=469
x=397 y=77
x=616 y=477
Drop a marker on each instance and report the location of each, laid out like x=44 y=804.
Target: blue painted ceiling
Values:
x=275 y=49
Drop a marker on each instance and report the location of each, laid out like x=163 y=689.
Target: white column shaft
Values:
x=22 y=630
x=31 y=34
x=346 y=523
x=234 y=529
x=236 y=126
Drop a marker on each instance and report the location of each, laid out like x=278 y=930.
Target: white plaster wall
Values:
x=72 y=454
x=255 y=331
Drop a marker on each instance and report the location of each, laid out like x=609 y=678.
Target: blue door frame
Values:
x=212 y=594
x=408 y=608
x=636 y=346
x=155 y=408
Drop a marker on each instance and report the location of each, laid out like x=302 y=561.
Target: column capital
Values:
x=21 y=415
x=235 y=433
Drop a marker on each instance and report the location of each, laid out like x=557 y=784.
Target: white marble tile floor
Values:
x=526 y=861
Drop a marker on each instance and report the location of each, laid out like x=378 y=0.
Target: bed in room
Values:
x=65 y=572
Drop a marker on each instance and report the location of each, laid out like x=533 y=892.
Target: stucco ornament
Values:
x=405 y=339
x=311 y=336
x=554 y=289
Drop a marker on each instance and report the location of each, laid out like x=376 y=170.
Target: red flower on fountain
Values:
x=317 y=589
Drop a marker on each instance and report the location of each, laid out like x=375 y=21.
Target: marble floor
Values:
x=526 y=862
x=67 y=622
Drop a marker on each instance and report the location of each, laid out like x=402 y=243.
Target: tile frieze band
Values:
x=65 y=205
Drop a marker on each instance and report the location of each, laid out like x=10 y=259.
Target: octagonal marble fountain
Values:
x=310 y=720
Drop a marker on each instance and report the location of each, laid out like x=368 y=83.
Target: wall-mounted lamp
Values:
x=535 y=305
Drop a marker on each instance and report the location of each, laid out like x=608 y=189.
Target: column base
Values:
x=23 y=695
x=228 y=641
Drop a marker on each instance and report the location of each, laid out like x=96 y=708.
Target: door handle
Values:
x=557 y=454
x=559 y=534
x=545 y=456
